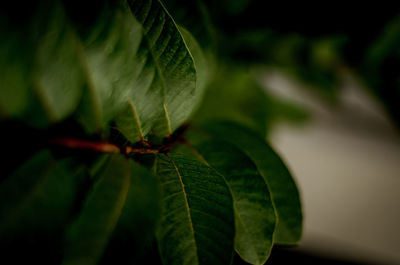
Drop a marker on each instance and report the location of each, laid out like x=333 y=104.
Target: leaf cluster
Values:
x=103 y=167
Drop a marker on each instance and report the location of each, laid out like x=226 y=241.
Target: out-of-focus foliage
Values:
x=115 y=66
x=380 y=67
x=245 y=101
x=315 y=43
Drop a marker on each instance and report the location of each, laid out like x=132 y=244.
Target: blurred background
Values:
x=346 y=161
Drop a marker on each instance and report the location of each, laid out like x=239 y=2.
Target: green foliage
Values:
x=40 y=194
x=254 y=211
x=139 y=75
x=245 y=102
x=120 y=160
x=88 y=235
x=275 y=174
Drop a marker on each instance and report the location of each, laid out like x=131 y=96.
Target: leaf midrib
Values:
x=202 y=159
x=158 y=69
x=187 y=208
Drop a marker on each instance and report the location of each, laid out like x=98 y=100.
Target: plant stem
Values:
x=101 y=147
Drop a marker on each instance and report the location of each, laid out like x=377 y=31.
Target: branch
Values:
x=101 y=147
x=104 y=147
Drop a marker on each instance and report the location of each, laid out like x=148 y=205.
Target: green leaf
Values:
x=197 y=225
x=88 y=235
x=194 y=16
x=135 y=228
x=142 y=69
x=111 y=45
x=205 y=66
x=46 y=78
x=22 y=185
x=14 y=62
x=39 y=194
x=58 y=76
x=128 y=64
x=235 y=95
x=37 y=202
x=254 y=211
x=283 y=189
x=379 y=66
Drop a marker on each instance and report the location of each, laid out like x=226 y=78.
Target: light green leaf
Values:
x=111 y=46
x=89 y=233
x=58 y=76
x=278 y=178
x=46 y=78
x=197 y=224
x=235 y=95
x=14 y=64
x=254 y=211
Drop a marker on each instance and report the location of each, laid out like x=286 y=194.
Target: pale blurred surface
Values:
x=346 y=162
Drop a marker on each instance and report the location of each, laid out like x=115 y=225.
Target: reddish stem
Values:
x=81 y=144
x=100 y=146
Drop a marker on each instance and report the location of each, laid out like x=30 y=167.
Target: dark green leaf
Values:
x=254 y=211
x=278 y=178
x=194 y=16
x=135 y=228
x=379 y=68
x=197 y=224
x=89 y=233
x=37 y=201
x=38 y=195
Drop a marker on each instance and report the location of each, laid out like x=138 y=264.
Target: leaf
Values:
x=204 y=66
x=39 y=193
x=128 y=64
x=234 y=95
x=134 y=231
x=141 y=68
x=199 y=35
x=48 y=60
x=254 y=211
x=58 y=76
x=37 y=201
x=88 y=235
x=378 y=68
x=194 y=16
x=283 y=189
x=197 y=220
x=14 y=62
